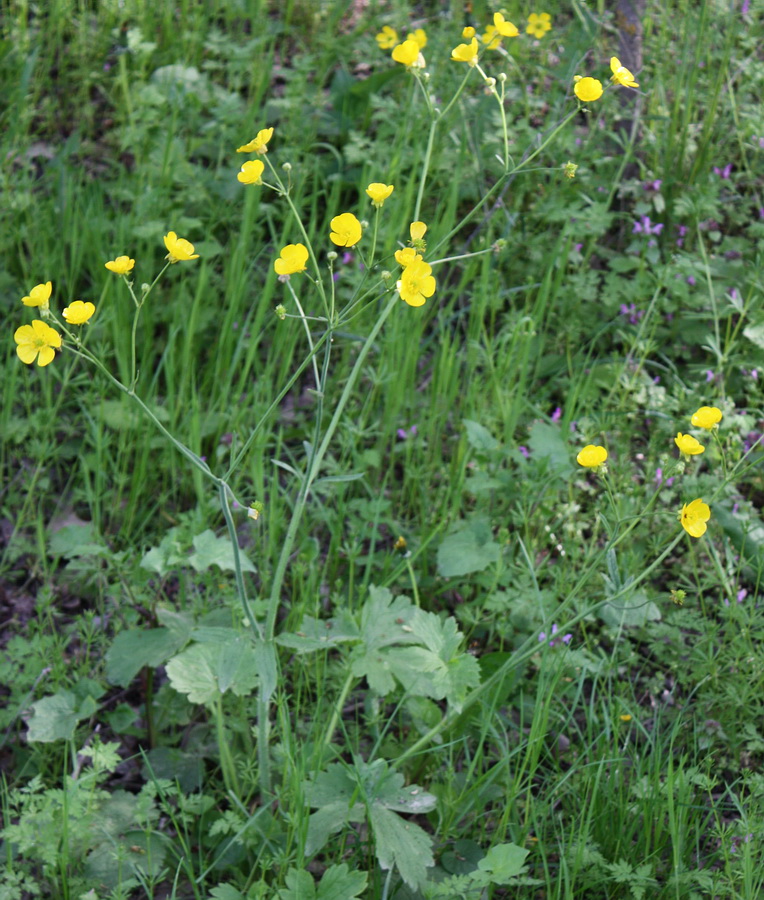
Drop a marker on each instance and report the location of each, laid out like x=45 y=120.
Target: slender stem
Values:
x=425 y=167
x=307 y=333
x=274 y=600
x=338 y=709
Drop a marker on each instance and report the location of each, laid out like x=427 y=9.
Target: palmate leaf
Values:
x=346 y=794
x=437 y=669
x=337 y=883
x=204 y=671
x=470 y=549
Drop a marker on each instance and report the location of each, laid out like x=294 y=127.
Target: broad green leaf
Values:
x=167 y=556
x=216 y=551
x=318 y=634
x=503 y=862
x=204 y=671
x=56 y=717
x=267 y=666
x=470 y=549
x=76 y=540
x=631 y=609
x=328 y=821
x=226 y=892
x=545 y=442
x=339 y=883
x=138 y=647
x=384 y=622
x=755 y=334
x=402 y=844
x=479 y=437
x=300 y=886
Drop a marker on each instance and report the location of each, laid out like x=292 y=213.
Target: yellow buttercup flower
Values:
x=379 y=192
x=706 y=417
x=259 y=144
x=688 y=445
x=407 y=53
x=36 y=342
x=346 y=230
x=418 y=35
x=538 y=24
x=417 y=283
x=417 y=230
x=621 y=75
x=491 y=38
x=78 y=313
x=39 y=295
x=251 y=172
x=291 y=260
x=467 y=53
x=694 y=517
x=387 y=38
x=121 y=265
x=178 y=249
x=468 y=32
x=504 y=27
x=587 y=89
x=407 y=256
x=592 y=456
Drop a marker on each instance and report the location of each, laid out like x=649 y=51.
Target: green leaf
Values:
x=226 y=892
x=339 y=883
x=755 y=334
x=166 y=557
x=479 y=437
x=56 y=717
x=318 y=634
x=138 y=647
x=204 y=671
x=545 y=442
x=402 y=844
x=76 y=540
x=300 y=886
x=384 y=622
x=503 y=862
x=470 y=549
x=267 y=668
x=216 y=551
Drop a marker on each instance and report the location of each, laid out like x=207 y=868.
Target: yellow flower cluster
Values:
x=39 y=341
x=693 y=516
x=252 y=170
x=416 y=283
x=589 y=89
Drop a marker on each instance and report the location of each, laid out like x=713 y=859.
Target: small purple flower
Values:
x=741 y=595
x=755 y=374
x=657 y=379
x=566 y=638
x=652 y=185
x=557 y=415
x=645 y=226
x=525 y=452
x=578 y=247
x=761 y=212
x=632 y=312
x=659 y=478
x=723 y=173
x=691 y=280
x=709 y=375
x=404 y=433
x=745 y=7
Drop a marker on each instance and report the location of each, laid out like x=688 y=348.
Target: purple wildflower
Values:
x=709 y=375
x=566 y=638
x=645 y=226
x=691 y=280
x=652 y=185
x=557 y=415
x=723 y=173
x=741 y=595
x=525 y=452
x=404 y=433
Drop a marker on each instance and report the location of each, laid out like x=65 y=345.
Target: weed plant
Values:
x=385 y=521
